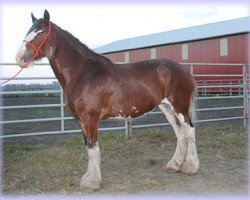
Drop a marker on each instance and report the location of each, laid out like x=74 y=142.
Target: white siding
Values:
x=184 y=54
x=223 y=47
x=153 y=53
x=126 y=57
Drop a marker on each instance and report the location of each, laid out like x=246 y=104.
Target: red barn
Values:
x=220 y=42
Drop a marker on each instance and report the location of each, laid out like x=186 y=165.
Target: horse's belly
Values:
x=132 y=98
x=127 y=109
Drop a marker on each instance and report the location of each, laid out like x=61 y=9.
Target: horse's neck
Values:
x=67 y=59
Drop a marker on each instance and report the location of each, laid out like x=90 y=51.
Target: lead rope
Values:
x=34 y=57
x=12 y=77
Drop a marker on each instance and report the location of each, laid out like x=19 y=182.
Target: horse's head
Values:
x=36 y=44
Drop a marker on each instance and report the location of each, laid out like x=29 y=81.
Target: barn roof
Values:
x=229 y=27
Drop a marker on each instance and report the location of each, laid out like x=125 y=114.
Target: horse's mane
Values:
x=81 y=47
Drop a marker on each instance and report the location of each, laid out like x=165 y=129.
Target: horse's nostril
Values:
x=26 y=57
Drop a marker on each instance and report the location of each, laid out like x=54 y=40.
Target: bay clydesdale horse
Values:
x=96 y=88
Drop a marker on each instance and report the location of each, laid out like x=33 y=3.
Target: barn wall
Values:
x=172 y=52
x=208 y=51
x=116 y=57
x=139 y=55
x=202 y=51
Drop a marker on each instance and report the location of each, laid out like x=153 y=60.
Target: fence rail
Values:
x=241 y=87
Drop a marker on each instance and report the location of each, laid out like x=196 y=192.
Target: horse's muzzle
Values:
x=23 y=59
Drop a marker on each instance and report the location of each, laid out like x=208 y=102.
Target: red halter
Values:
x=34 y=57
x=37 y=49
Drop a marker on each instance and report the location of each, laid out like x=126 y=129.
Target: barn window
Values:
x=184 y=49
x=126 y=56
x=153 y=53
x=223 y=47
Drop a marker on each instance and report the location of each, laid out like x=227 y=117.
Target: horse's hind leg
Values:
x=181 y=148
x=185 y=158
x=191 y=163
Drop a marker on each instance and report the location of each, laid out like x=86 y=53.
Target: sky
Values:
x=97 y=23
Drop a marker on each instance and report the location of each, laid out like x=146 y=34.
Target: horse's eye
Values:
x=40 y=33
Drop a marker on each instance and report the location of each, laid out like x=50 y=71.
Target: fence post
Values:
x=239 y=89
x=192 y=70
x=245 y=94
x=204 y=90
x=128 y=127
x=230 y=90
x=62 y=109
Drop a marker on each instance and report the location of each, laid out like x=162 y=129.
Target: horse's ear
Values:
x=33 y=18
x=46 y=17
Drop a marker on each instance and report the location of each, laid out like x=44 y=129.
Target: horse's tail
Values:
x=192 y=108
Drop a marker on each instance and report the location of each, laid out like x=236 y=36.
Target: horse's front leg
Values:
x=91 y=181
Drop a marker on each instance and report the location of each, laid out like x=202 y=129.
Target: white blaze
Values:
x=32 y=35
x=22 y=48
x=29 y=38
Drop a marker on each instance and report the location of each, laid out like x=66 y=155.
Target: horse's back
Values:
x=170 y=73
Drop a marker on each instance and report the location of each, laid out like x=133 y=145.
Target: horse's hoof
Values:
x=190 y=167
x=173 y=166
x=90 y=184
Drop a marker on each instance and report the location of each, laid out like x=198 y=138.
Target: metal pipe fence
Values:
x=236 y=91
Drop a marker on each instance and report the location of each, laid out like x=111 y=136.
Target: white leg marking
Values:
x=181 y=148
x=185 y=157
x=191 y=164
x=92 y=179
x=166 y=101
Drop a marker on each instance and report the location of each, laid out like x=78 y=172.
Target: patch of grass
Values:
x=129 y=165
x=225 y=139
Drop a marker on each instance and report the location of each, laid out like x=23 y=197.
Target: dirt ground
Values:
x=130 y=166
